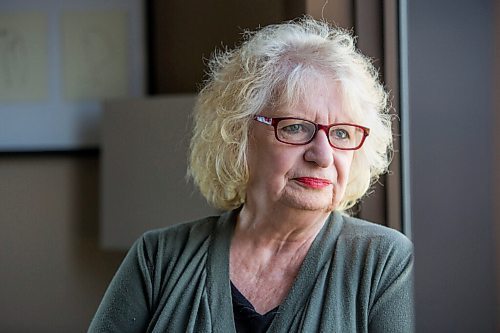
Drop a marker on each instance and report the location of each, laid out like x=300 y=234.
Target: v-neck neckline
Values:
x=218 y=279
x=239 y=298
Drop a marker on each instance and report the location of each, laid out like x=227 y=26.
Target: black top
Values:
x=246 y=319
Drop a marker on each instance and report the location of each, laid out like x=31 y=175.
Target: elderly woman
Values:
x=291 y=129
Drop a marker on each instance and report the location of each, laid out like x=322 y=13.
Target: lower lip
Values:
x=313 y=182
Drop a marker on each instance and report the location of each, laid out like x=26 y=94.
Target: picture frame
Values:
x=59 y=62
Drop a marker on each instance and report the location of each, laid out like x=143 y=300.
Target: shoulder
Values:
x=372 y=246
x=176 y=239
x=382 y=255
x=200 y=227
x=361 y=231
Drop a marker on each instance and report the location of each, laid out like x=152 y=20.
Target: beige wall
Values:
x=52 y=272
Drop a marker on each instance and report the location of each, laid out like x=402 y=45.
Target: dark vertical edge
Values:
x=381 y=70
x=404 y=114
x=390 y=34
x=354 y=17
x=150 y=24
x=382 y=40
x=368 y=29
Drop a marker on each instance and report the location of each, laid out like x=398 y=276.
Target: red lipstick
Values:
x=312 y=182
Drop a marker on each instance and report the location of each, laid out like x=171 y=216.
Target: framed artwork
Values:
x=59 y=61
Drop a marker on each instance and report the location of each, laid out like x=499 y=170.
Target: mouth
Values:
x=311 y=182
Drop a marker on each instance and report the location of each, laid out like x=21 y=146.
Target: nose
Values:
x=319 y=150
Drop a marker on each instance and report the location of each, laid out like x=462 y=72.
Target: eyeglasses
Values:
x=296 y=131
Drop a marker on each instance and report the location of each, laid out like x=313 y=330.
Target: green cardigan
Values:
x=356 y=277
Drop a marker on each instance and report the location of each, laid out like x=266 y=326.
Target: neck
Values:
x=279 y=228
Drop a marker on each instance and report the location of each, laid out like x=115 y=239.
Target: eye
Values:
x=293 y=128
x=294 y=131
x=339 y=134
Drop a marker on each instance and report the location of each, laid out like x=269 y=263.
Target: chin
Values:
x=309 y=203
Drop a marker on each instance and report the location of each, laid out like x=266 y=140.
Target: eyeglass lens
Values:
x=298 y=131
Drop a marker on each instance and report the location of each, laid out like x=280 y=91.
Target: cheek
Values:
x=278 y=167
x=267 y=165
x=343 y=166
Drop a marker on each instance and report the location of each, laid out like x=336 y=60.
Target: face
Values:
x=307 y=177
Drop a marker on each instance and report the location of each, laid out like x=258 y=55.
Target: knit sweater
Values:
x=356 y=277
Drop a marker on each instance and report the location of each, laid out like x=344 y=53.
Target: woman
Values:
x=291 y=129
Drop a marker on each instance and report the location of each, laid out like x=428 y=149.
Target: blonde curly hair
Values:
x=272 y=67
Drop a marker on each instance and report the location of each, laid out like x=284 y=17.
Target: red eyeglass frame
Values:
x=274 y=123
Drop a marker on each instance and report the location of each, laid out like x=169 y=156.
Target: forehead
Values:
x=317 y=100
